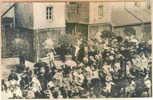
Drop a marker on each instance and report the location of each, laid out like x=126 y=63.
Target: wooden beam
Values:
x=7 y=10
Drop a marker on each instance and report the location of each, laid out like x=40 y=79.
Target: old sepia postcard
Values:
x=60 y=49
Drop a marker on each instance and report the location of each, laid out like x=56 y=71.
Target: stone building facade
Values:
x=35 y=23
x=38 y=22
x=86 y=17
x=137 y=18
x=90 y=18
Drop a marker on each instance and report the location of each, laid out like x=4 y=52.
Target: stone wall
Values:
x=93 y=29
x=143 y=32
x=32 y=39
x=87 y=30
x=77 y=12
x=57 y=15
x=43 y=35
x=97 y=15
x=75 y=28
x=24 y=15
x=12 y=48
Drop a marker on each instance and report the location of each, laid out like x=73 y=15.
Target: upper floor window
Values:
x=100 y=10
x=49 y=12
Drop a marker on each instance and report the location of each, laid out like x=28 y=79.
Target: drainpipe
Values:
x=14 y=16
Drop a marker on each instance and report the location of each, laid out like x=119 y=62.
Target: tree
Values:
x=65 y=44
x=19 y=45
x=107 y=34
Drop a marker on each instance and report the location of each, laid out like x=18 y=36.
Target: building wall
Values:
x=41 y=35
x=87 y=31
x=45 y=29
x=120 y=31
x=147 y=32
x=95 y=16
x=149 y=4
x=88 y=12
x=83 y=29
x=33 y=15
x=10 y=48
x=127 y=4
x=24 y=15
x=58 y=15
x=75 y=29
x=72 y=12
x=83 y=12
x=140 y=33
x=94 y=29
x=78 y=12
x=28 y=36
x=34 y=39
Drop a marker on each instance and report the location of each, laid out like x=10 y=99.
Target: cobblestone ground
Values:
x=7 y=64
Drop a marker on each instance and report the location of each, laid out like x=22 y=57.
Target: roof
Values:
x=130 y=16
x=143 y=14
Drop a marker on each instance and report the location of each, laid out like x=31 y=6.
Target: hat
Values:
x=59 y=64
x=88 y=69
x=50 y=84
x=70 y=63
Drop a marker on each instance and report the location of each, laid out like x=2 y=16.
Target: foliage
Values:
x=107 y=34
x=66 y=44
x=19 y=45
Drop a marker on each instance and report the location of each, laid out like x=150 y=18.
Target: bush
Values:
x=65 y=44
x=107 y=34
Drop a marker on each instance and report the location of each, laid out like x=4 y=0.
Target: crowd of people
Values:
x=112 y=66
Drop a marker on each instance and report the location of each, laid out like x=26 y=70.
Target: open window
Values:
x=100 y=11
x=49 y=12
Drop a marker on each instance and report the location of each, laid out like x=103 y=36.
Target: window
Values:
x=100 y=10
x=49 y=11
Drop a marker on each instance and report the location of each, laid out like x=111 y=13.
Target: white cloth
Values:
x=36 y=86
x=108 y=87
